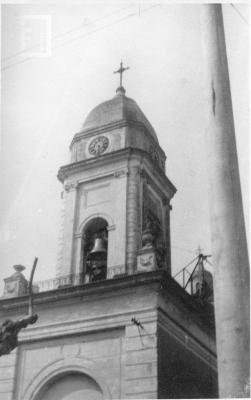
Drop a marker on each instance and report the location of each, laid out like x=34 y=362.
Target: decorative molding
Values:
x=134 y=171
x=85 y=325
x=158 y=279
x=68 y=187
x=96 y=177
x=90 y=217
x=69 y=169
x=58 y=367
x=154 y=154
x=165 y=202
x=162 y=163
x=16 y=284
x=91 y=132
x=144 y=176
x=120 y=173
x=116 y=270
x=111 y=227
x=146 y=260
x=150 y=181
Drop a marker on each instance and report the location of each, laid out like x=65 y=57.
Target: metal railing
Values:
x=59 y=282
x=74 y=280
x=186 y=276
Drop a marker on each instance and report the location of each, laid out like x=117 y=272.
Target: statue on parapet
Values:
x=9 y=333
x=10 y=329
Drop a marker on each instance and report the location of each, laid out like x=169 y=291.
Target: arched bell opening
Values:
x=94 y=250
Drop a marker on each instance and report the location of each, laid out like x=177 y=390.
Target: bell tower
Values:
x=116 y=194
x=114 y=324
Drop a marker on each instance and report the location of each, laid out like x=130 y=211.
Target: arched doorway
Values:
x=71 y=386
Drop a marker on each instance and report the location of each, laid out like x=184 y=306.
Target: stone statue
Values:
x=9 y=333
x=10 y=329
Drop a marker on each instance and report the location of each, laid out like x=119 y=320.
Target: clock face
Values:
x=98 y=145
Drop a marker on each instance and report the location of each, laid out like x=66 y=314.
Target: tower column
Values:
x=69 y=229
x=166 y=217
x=133 y=218
x=229 y=246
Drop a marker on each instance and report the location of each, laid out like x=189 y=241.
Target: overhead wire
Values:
x=82 y=26
x=240 y=14
x=84 y=35
x=209 y=262
x=187 y=265
x=63 y=44
x=190 y=277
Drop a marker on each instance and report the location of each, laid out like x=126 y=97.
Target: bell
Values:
x=99 y=251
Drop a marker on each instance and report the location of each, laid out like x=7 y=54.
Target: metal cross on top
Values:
x=199 y=250
x=120 y=71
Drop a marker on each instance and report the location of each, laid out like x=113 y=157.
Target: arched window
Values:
x=71 y=386
x=94 y=250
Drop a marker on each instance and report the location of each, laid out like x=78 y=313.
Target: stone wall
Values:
x=7 y=375
x=141 y=362
x=97 y=355
x=89 y=330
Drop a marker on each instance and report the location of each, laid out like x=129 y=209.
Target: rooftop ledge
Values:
x=161 y=281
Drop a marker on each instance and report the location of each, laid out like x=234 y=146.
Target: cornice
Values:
x=152 y=177
x=123 y=123
x=105 y=128
x=66 y=170
x=161 y=282
x=102 y=322
x=87 y=289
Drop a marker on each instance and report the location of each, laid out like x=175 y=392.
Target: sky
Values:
x=48 y=90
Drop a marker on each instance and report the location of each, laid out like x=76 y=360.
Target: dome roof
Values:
x=119 y=108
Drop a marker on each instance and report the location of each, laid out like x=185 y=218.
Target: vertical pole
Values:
x=30 y=308
x=229 y=246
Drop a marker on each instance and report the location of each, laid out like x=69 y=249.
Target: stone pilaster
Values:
x=167 y=208
x=69 y=229
x=133 y=218
x=77 y=254
x=61 y=235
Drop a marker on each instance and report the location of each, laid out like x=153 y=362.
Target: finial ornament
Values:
x=120 y=71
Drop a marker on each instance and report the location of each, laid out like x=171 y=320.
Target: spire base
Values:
x=120 y=90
